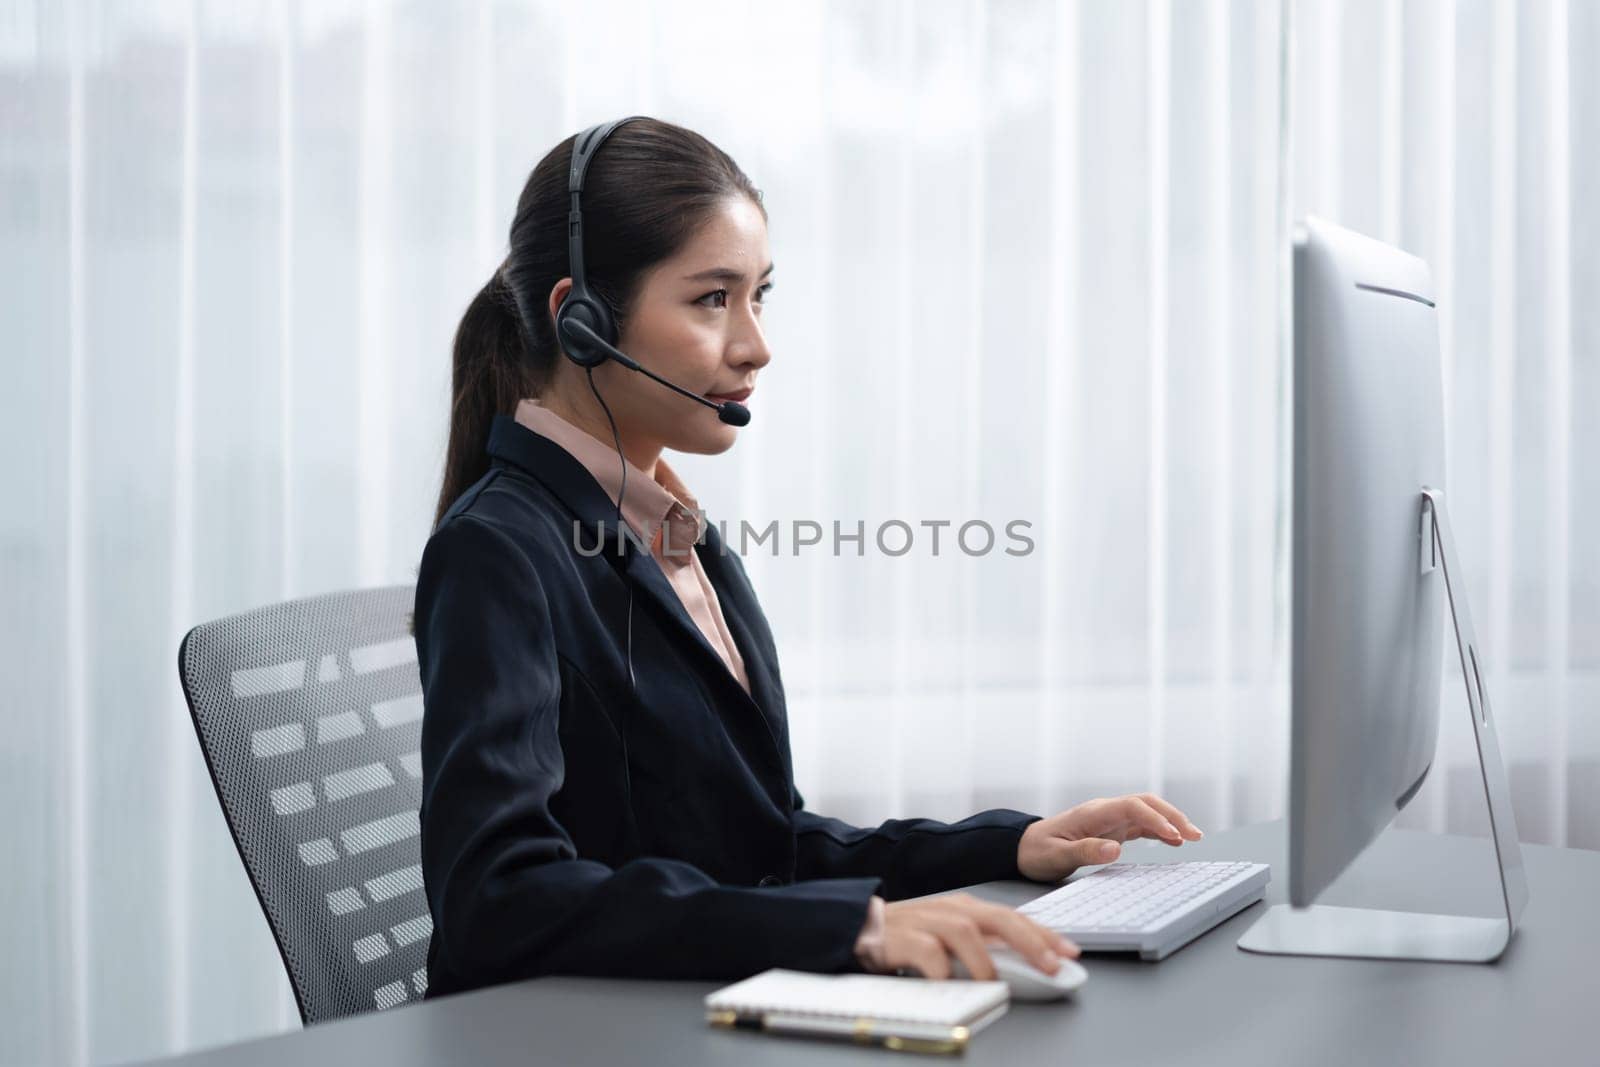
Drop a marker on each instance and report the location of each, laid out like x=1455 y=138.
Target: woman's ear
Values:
x=558 y=293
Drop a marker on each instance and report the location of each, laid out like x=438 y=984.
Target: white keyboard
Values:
x=1152 y=908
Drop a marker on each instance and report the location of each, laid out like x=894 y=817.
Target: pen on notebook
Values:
x=861 y=1030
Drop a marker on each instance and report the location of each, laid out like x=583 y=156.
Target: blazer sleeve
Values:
x=509 y=896
x=912 y=856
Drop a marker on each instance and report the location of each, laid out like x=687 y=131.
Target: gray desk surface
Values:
x=1209 y=1002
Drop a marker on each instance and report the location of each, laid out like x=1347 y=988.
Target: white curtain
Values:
x=1467 y=133
x=1030 y=267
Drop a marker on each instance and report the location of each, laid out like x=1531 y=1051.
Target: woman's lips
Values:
x=740 y=397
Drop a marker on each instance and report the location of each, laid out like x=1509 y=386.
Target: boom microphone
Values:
x=577 y=334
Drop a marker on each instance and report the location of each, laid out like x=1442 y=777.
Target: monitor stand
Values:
x=1324 y=930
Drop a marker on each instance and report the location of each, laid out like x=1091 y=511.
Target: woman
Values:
x=607 y=786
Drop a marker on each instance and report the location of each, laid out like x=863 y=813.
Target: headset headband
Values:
x=584 y=147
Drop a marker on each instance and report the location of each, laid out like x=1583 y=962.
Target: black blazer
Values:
x=573 y=826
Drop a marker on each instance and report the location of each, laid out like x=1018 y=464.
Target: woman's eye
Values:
x=719 y=297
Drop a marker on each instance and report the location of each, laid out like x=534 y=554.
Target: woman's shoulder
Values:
x=506 y=506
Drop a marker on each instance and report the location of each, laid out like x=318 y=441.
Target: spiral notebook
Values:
x=909 y=1014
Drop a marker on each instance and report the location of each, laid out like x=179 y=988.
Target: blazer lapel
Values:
x=742 y=715
x=596 y=515
x=645 y=573
x=738 y=603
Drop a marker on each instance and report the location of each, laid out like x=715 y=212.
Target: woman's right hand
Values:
x=922 y=935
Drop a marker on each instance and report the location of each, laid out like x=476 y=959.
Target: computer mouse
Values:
x=1027 y=982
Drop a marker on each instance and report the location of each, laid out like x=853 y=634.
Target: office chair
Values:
x=309 y=714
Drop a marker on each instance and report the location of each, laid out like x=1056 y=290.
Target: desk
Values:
x=1207 y=1003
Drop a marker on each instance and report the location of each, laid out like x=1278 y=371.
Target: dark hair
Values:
x=648 y=188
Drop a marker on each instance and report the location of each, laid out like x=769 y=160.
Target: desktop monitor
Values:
x=1373 y=572
x=1367 y=612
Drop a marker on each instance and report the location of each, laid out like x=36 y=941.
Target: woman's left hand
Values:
x=1054 y=847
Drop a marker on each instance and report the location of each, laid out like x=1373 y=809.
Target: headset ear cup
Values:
x=593 y=314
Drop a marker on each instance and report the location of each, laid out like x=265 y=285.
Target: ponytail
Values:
x=490 y=373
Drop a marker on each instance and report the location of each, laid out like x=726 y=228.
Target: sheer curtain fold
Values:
x=1030 y=270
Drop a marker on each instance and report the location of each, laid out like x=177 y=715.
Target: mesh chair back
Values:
x=310 y=715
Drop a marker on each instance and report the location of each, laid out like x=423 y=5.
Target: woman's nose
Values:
x=751 y=349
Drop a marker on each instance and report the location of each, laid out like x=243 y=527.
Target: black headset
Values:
x=587 y=329
x=581 y=305
x=582 y=320
x=587 y=332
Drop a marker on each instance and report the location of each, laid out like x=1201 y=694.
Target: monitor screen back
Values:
x=1367 y=607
